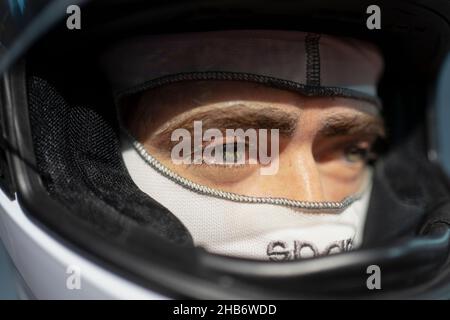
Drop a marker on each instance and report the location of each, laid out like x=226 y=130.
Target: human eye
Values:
x=360 y=152
x=227 y=154
x=224 y=161
x=232 y=153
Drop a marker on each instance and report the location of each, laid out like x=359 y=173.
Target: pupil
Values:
x=230 y=156
x=356 y=154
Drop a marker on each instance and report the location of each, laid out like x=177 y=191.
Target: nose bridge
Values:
x=308 y=178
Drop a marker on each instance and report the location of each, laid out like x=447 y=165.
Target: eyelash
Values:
x=366 y=153
x=222 y=165
x=235 y=149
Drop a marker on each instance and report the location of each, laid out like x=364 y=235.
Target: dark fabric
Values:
x=78 y=155
x=388 y=218
x=409 y=193
x=439 y=217
x=304 y=89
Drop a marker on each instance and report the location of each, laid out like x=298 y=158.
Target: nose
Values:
x=305 y=178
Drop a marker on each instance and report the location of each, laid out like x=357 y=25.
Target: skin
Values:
x=325 y=142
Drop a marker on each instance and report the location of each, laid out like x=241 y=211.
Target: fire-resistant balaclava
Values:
x=240 y=225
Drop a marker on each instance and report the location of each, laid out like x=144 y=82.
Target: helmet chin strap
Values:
x=261 y=230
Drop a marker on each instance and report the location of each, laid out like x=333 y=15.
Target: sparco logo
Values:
x=282 y=251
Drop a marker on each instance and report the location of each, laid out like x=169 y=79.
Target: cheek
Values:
x=228 y=178
x=340 y=179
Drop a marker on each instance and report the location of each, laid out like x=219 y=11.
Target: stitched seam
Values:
x=305 y=89
x=312 y=59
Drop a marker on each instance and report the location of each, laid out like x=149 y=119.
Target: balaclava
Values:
x=236 y=225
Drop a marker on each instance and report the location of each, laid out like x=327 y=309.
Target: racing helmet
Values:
x=68 y=202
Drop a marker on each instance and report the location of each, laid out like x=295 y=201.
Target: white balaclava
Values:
x=238 y=225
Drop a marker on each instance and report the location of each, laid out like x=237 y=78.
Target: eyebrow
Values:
x=233 y=117
x=361 y=124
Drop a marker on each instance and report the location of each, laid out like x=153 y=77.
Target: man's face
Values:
x=324 y=143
